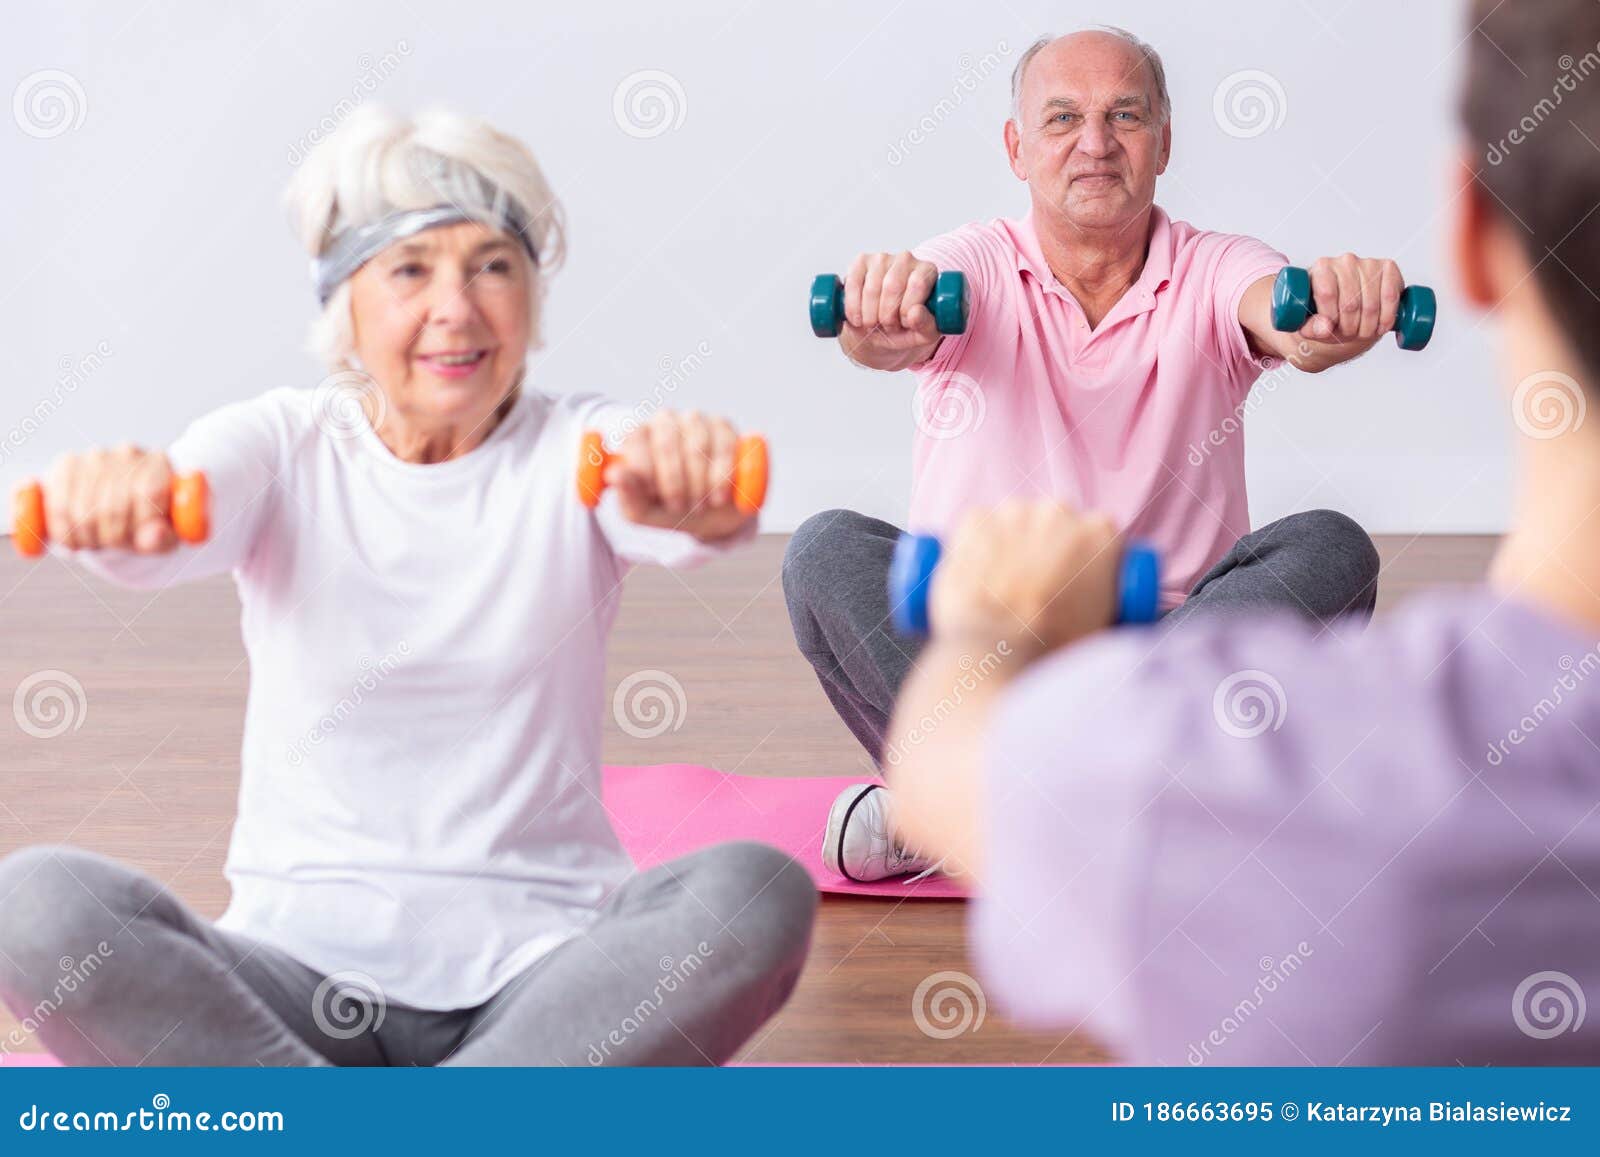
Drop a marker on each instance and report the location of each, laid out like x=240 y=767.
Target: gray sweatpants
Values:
x=1319 y=564
x=683 y=965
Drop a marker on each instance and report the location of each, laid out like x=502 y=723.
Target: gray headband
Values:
x=350 y=250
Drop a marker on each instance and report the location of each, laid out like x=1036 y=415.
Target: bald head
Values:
x=1097 y=50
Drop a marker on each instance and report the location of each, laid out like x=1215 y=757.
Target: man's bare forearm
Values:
x=873 y=356
x=1356 y=299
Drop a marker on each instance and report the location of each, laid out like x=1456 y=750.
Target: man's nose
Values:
x=1095 y=137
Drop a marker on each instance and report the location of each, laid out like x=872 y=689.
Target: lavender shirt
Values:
x=1261 y=845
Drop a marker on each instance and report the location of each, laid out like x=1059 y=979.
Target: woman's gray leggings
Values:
x=683 y=965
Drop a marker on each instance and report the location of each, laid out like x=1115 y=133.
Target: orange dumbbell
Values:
x=749 y=471
x=190 y=514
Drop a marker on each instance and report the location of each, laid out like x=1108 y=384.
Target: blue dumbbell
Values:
x=916 y=556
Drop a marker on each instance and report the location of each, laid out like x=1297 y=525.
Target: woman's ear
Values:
x=1471 y=237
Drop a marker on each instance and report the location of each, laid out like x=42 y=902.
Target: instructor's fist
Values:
x=111 y=500
x=1037 y=574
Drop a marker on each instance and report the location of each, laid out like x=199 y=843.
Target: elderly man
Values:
x=1105 y=362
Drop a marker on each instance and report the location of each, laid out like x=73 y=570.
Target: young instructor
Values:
x=1256 y=843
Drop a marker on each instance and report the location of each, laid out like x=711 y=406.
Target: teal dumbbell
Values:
x=916 y=556
x=948 y=303
x=1292 y=304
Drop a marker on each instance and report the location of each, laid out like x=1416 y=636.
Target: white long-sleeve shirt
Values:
x=420 y=774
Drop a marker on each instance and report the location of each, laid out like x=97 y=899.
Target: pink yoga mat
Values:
x=671 y=809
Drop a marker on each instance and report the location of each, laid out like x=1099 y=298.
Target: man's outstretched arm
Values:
x=1356 y=300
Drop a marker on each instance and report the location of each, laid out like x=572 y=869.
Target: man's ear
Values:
x=1471 y=237
x=1014 y=150
x=1166 y=147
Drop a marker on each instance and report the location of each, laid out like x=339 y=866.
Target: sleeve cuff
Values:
x=1241 y=340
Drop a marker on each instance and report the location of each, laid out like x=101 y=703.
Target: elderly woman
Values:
x=422 y=870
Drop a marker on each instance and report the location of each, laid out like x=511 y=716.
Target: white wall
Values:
x=151 y=232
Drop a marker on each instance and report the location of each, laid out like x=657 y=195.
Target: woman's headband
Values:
x=353 y=248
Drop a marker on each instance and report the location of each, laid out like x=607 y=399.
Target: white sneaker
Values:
x=858 y=844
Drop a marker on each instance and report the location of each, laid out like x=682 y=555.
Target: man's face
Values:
x=1089 y=139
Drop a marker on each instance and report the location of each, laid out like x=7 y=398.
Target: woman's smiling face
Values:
x=442 y=322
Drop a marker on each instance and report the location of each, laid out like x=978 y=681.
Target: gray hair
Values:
x=377 y=162
x=1151 y=58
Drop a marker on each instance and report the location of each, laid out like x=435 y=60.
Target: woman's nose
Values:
x=451 y=298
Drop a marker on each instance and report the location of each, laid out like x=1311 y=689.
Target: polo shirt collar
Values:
x=1157 y=270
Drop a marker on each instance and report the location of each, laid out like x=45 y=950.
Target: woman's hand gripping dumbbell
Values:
x=124 y=499
x=890 y=310
x=1035 y=571
x=1300 y=295
x=681 y=471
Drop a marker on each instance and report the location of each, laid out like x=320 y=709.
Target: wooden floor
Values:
x=152 y=775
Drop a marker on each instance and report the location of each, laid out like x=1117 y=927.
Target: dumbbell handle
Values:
x=1292 y=304
x=750 y=470
x=189 y=512
x=947 y=301
x=916 y=556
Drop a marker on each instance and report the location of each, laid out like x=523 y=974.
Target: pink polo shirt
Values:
x=1140 y=418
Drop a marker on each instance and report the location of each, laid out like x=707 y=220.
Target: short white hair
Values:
x=376 y=163
x=1151 y=58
